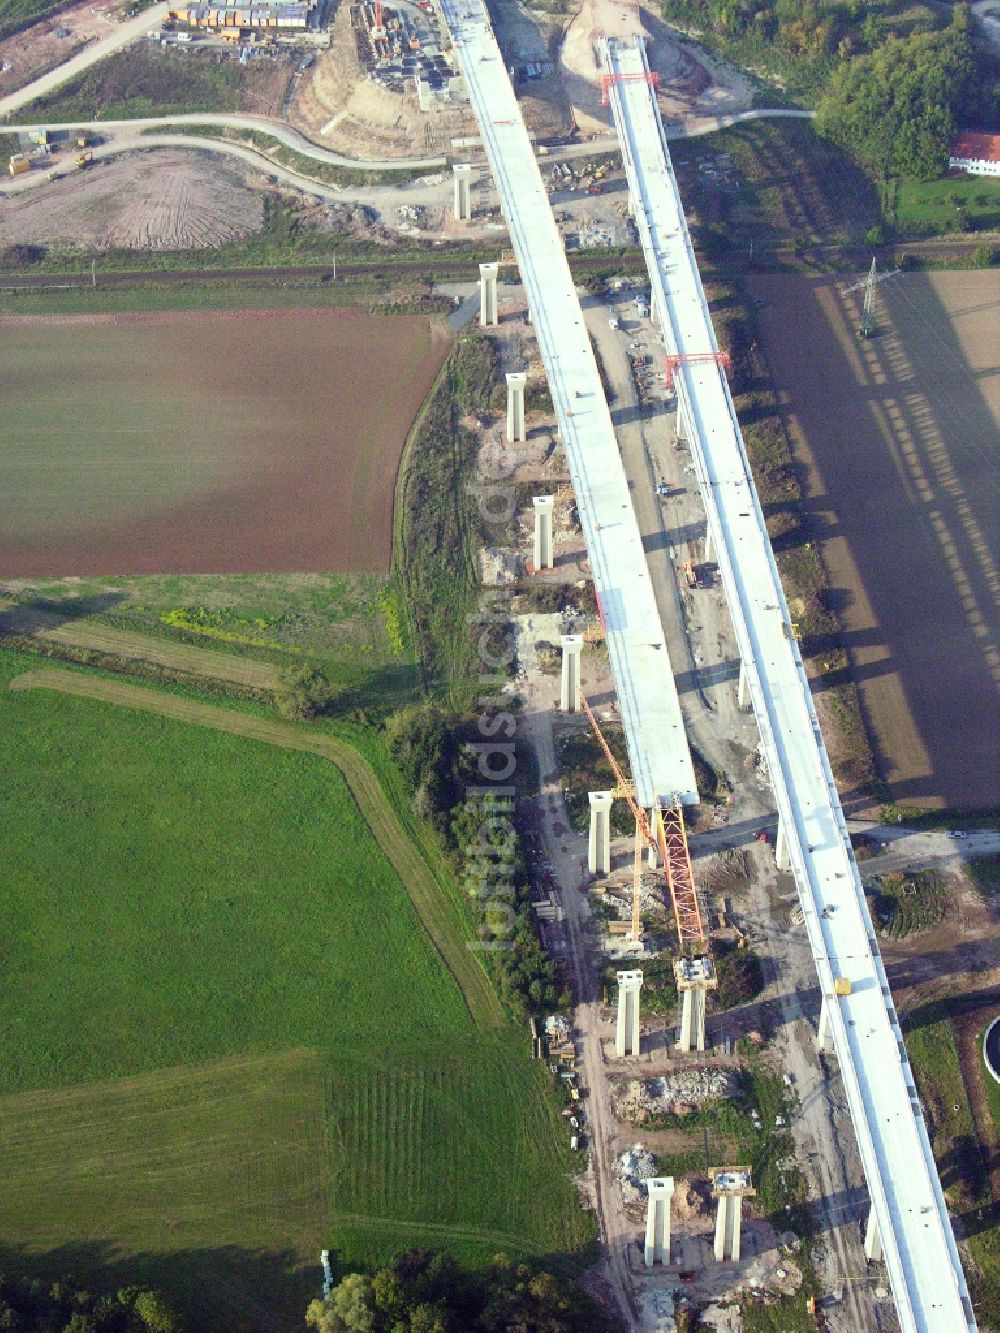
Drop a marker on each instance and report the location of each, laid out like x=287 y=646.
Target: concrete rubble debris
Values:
x=680 y=1093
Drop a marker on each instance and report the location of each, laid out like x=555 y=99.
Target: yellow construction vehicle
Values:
x=84 y=159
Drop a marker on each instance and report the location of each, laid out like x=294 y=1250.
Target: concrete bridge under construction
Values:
x=909 y=1217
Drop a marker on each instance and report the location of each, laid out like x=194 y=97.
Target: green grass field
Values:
x=228 y=1041
x=954 y=204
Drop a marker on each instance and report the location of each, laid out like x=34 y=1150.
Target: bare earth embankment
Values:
x=897 y=440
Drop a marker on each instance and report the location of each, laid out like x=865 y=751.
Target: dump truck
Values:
x=18 y=164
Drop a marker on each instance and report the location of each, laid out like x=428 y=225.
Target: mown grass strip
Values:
x=421 y=886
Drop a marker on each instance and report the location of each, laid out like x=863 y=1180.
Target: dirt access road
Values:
x=425 y=891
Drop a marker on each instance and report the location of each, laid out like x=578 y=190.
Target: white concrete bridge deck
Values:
x=920 y=1252
x=647 y=695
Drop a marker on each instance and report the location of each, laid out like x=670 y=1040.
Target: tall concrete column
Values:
x=709 y=548
x=515 y=406
x=569 y=691
x=543 y=505
x=695 y=977
x=692 y=1020
x=652 y=857
x=627 y=1029
x=728 y=1223
x=824 y=1035
x=659 y=1190
x=873 y=1241
x=743 y=688
x=488 y=295
x=599 y=846
x=730 y=1187
x=463 y=191
x=781 y=857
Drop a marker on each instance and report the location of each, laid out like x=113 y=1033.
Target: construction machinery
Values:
x=84 y=159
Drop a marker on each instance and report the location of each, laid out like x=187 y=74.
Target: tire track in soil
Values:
x=415 y=875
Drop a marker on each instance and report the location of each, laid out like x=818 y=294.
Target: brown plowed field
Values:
x=897 y=439
x=206 y=442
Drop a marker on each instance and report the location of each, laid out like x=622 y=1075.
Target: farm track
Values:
x=205 y=662
x=421 y=886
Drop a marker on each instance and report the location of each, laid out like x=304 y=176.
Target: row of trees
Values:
x=425 y=1292
x=28 y=1305
x=432 y=750
x=810 y=29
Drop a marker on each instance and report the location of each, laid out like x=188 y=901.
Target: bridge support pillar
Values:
x=652 y=857
x=781 y=858
x=659 y=1191
x=463 y=191
x=824 y=1034
x=627 y=1030
x=515 y=407
x=873 y=1241
x=728 y=1225
x=730 y=1187
x=695 y=977
x=543 y=506
x=743 y=688
x=488 y=295
x=569 y=691
x=599 y=846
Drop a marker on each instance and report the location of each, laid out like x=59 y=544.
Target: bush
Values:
x=306 y=693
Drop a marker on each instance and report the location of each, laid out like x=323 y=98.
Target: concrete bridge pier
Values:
x=543 y=506
x=515 y=407
x=873 y=1240
x=743 y=688
x=599 y=846
x=462 y=172
x=627 y=1029
x=781 y=857
x=824 y=1033
x=569 y=690
x=659 y=1191
x=488 y=295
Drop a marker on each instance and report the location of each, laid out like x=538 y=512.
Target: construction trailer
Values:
x=262 y=15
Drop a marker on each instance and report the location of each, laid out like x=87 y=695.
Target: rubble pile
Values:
x=499 y=567
x=634 y=1167
x=680 y=1093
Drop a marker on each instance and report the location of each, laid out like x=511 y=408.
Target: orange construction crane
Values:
x=669 y=839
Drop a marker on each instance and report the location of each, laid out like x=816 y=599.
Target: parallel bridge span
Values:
x=647 y=695
x=919 y=1246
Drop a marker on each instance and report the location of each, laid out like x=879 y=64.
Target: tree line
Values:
x=427 y=1292
x=28 y=1305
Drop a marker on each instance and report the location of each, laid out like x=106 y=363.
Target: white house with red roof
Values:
x=976 y=153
